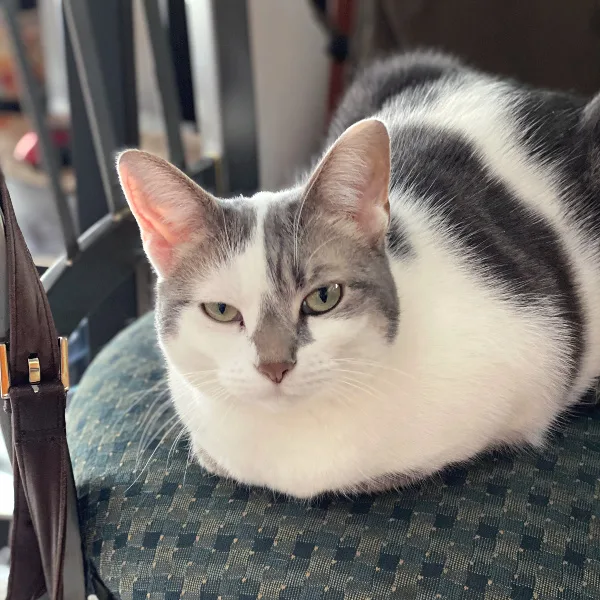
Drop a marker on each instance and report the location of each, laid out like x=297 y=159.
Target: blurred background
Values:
x=236 y=92
x=301 y=54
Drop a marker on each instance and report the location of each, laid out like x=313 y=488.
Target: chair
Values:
x=153 y=525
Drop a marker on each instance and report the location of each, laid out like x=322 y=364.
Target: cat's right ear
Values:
x=169 y=207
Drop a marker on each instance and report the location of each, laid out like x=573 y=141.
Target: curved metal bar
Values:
x=91 y=76
x=35 y=108
x=110 y=251
x=166 y=81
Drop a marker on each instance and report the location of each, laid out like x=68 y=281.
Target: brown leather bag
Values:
x=35 y=396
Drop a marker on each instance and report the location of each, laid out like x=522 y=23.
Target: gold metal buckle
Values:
x=34 y=368
x=35 y=371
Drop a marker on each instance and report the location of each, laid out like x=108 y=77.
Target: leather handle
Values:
x=40 y=452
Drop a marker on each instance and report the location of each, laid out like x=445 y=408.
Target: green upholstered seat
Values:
x=156 y=526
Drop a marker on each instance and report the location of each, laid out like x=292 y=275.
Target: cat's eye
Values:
x=219 y=311
x=322 y=300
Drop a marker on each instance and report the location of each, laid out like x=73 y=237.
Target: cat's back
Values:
x=490 y=178
x=430 y=90
x=416 y=74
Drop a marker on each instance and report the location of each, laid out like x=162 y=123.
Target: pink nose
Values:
x=275 y=371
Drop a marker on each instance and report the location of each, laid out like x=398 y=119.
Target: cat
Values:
x=430 y=290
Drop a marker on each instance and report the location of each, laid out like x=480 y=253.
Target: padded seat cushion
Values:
x=156 y=526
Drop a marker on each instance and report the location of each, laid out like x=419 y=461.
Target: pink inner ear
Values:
x=374 y=208
x=158 y=235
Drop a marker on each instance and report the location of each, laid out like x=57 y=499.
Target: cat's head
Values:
x=271 y=298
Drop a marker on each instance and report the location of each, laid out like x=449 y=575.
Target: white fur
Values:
x=466 y=371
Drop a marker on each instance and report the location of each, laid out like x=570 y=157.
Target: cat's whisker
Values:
x=187 y=462
x=164 y=437
x=361 y=388
x=141 y=395
x=143 y=447
x=161 y=399
x=198 y=372
x=173 y=446
x=370 y=363
x=203 y=382
x=149 y=433
x=148 y=423
x=373 y=378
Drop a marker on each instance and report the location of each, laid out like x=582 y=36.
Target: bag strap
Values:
x=34 y=393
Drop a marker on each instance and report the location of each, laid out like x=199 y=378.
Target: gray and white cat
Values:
x=430 y=290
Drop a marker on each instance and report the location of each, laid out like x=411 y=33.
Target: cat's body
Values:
x=472 y=321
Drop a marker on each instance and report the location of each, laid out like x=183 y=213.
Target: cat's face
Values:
x=271 y=298
x=278 y=313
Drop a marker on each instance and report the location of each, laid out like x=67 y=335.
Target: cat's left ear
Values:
x=351 y=183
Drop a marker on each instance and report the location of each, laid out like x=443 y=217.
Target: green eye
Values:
x=219 y=311
x=322 y=300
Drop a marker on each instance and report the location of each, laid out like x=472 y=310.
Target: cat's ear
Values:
x=169 y=207
x=351 y=183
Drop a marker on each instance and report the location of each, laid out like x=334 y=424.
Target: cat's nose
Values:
x=275 y=371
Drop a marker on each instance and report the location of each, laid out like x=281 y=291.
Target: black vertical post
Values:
x=240 y=144
x=113 y=31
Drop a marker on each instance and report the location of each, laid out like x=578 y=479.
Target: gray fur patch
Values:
x=304 y=252
x=231 y=226
x=276 y=337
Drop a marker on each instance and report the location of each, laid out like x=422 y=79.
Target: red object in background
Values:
x=28 y=147
x=341 y=14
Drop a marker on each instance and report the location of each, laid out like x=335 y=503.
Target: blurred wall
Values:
x=291 y=76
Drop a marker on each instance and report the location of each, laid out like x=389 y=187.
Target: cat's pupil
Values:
x=221 y=307
x=323 y=294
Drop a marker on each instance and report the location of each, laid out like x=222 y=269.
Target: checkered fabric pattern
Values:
x=517 y=526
